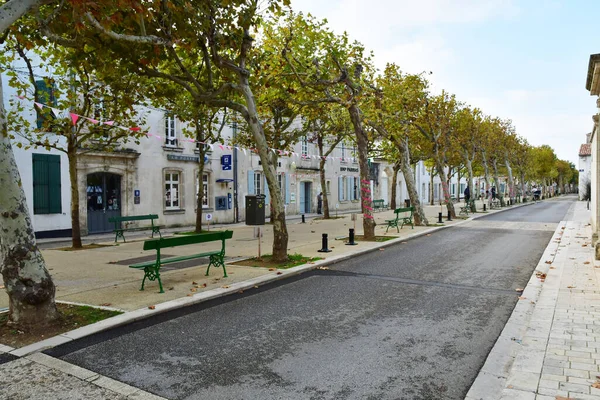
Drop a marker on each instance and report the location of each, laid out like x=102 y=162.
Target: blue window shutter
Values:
x=287 y=189
x=46 y=184
x=250 y=182
x=350 y=186
x=266 y=191
x=340 y=188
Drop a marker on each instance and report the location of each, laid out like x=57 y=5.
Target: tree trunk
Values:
x=322 y=161
x=486 y=171
x=365 y=187
x=444 y=178
x=470 y=182
x=409 y=177
x=28 y=284
x=394 y=184
x=280 y=233
x=497 y=183
x=511 y=182
x=199 y=182
x=431 y=175
x=75 y=227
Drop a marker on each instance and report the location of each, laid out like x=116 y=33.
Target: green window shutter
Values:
x=45 y=96
x=54 y=195
x=46 y=184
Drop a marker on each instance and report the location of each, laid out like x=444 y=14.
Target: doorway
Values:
x=305 y=197
x=103 y=201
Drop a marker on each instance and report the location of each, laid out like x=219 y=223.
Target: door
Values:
x=103 y=201
x=307 y=197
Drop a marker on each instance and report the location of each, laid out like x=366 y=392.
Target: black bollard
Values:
x=483 y=206
x=440 y=218
x=303 y=220
x=449 y=216
x=351 y=238
x=325 y=249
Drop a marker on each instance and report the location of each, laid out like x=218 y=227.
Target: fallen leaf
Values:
x=240 y=291
x=552 y=267
x=561 y=398
x=204 y=285
x=272 y=269
x=193 y=290
x=587 y=262
x=584 y=245
x=105 y=304
x=596 y=385
x=570 y=287
x=194 y=283
x=217 y=279
x=190 y=295
x=429 y=234
x=225 y=287
x=151 y=307
x=171 y=288
x=522 y=297
x=519 y=289
x=112 y=262
x=255 y=286
x=323 y=268
x=548 y=262
x=381 y=249
x=279 y=273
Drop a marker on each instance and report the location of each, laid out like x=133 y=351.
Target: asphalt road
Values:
x=415 y=321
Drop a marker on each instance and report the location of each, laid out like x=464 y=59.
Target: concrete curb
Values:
x=160 y=308
x=491 y=380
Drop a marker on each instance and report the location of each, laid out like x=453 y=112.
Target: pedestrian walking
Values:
x=493 y=192
x=467 y=195
x=319 y=202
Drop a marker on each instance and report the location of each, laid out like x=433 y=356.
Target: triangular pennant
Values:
x=92 y=120
x=74 y=118
x=135 y=129
x=21 y=97
x=40 y=105
x=57 y=113
x=109 y=123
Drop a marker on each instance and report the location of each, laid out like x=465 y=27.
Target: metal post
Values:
x=351 y=238
x=303 y=220
x=236 y=210
x=449 y=216
x=483 y=206
x=440 y=218
x=324 y=245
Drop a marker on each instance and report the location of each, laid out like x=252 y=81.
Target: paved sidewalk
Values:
x=549 y=347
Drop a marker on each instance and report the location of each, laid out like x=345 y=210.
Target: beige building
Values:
x=593 y=86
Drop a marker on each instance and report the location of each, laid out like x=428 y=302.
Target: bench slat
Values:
x=187 y=239
x=132 y=218
x=173 y=259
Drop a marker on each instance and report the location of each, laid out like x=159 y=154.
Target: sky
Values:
x=525 y=60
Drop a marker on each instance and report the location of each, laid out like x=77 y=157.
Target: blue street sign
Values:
x=226 y=162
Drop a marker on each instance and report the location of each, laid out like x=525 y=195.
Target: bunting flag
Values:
x=109 y=123
x=74 y=118
x=39 y=105
x=57 y=113
x=92 y=120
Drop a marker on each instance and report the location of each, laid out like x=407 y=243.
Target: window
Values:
x=46 y=92
x=328 y=187
x=304 y=146
x=354 y=159
x=355 y=189
x=172 y=190
x=343 y=152
x=170 y=137
x=46 y=184
x=257 y=183
x=205 y=192
x=281 y=183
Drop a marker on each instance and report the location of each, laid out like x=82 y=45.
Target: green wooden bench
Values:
x=379 y=205
x=467 y=208
x=152 y=268
x=404 y=219
x=119 y=230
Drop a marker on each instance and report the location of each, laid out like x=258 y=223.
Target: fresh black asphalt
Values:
x=414 y=321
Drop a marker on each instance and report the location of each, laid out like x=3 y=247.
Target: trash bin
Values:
x=406 y=203
x=255 y=209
